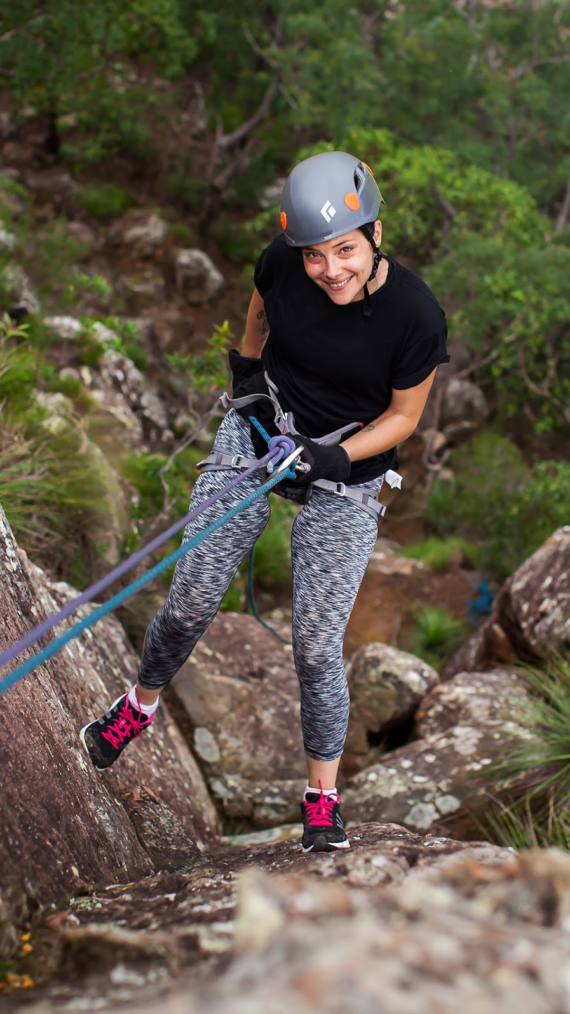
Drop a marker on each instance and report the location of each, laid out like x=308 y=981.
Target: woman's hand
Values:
x=331 y=463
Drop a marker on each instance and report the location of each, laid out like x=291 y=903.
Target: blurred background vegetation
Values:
x=196 y=114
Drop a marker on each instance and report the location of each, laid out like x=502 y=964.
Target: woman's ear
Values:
x=378 y=232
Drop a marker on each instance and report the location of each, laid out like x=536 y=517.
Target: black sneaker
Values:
x=323 y=826
x=106 y=737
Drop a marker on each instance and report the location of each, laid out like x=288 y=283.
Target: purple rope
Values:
x=90 y=593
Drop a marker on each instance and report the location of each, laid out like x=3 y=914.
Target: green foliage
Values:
x=539 y=813
x=143 y=472
x=272 y=560
x=128 y=342
x=513 y=298
x=19 y=365
x=545 y=760
x=436 y=634
x=493 y=85
x=183 y=234
x=235 y=242
x=487 y=470
x=185 y=186
x=24 y=484
x=52 y=264
x=232 y=601
x=497 y=501
x=439 y=553
x=207 y=369
x=149 y=474
x=90 y=350
x=515 y=825
x=91 y=61
x=105 y=200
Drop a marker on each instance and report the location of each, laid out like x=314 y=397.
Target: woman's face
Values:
x=341 y=266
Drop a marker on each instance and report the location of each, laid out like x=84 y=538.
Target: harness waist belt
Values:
x=217 y=461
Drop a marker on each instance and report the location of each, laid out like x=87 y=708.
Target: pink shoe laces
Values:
x=126 y=726
x=321 y=812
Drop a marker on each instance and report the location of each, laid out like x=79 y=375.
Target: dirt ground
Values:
x=385 y=603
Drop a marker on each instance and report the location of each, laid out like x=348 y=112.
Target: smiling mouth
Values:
x=338 y=286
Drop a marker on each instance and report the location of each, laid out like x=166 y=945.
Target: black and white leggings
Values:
x=331 y=543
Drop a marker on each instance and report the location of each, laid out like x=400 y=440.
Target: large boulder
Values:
x=442 y=780
x=530 y=616
x=197 y=277
x=64 y=824
x=56 y=186
x=462 y=401
x=142 y=233
x=386 y=687
x=119 y=372
x=240 y=695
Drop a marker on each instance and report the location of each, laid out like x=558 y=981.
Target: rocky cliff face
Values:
x=63 y=823
x=401 y=923
x=117 y=886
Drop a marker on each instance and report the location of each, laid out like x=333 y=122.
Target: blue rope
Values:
x=26 y=667
x=251 y=595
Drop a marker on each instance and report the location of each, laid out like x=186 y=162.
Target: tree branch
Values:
x=542 y=391
x=527 y=66
x=21 y=28
x=239 y=158
x=230 y=140
x=270 y=61
x=564 y=211
x=447 y=208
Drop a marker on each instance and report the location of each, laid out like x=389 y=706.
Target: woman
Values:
x=348 y=341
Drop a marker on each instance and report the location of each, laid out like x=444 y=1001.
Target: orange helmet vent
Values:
x=351 y=200
x=368 y=167
x=283 y=219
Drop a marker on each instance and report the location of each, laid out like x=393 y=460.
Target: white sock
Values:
x=147 y=709
x=326 y=792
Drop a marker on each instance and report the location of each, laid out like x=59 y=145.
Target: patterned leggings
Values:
x=331 y=543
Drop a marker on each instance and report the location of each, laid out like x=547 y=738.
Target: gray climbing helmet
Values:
x=327 y=195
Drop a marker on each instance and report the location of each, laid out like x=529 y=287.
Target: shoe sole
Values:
x=82 y=738
x=331 y=846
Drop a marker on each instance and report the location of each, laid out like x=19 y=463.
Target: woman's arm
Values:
x=256 y=328
x=394 y=426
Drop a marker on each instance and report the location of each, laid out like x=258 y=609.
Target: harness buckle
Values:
x=235 y=460
x=340 y=489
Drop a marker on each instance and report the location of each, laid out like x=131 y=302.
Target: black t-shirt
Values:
x=332 y=364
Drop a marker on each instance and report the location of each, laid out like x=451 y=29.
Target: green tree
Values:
x=90 y=59
x=489 y=81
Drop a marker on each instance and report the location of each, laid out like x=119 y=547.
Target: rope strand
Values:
x=280 y=444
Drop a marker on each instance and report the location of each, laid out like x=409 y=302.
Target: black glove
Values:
x=325 y=462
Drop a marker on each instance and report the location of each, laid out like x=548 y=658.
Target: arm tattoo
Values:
x=262 y=316
x=369 y=427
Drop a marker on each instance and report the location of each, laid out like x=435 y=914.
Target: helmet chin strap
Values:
x=378 y=255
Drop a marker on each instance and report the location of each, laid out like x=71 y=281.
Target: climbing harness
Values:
x=281 y=453
x=285 y=423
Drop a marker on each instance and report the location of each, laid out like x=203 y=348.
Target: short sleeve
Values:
x=420 y=357
x=263 y=273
